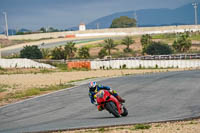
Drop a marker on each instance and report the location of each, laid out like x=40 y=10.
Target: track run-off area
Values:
x=149 y=98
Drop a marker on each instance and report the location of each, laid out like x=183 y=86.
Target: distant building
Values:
x=82 y=27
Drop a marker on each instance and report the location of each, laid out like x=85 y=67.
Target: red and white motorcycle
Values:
x=107 y=101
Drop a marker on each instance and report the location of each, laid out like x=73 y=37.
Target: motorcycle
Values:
x=110 y=103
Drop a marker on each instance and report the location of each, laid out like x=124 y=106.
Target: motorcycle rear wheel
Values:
x=112 y=108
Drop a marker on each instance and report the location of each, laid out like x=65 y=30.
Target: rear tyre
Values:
x=125 y=111
x=112 y=108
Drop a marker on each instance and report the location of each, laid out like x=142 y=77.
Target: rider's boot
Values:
x=120 y=99
x=99 y=108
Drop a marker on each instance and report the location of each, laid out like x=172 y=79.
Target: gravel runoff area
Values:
x=192 y=126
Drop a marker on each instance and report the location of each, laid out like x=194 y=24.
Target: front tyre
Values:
x=112 y=108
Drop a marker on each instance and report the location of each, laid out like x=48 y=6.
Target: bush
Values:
x=31 y=52
x=158 y=48
x=183 y=43
x=58 y=53
x=84 y=52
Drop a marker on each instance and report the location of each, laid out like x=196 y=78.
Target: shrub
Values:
x=183 y=43
x=58 y=53
x=31 y=52
x=84 y=52
x=158 y=48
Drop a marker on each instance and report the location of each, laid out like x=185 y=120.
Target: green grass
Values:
x=193 y=122
x=195 y=37
x=35 y=91
x=2 y=90
x=46 y=71
x=72 y=81
x=3 y=87
x=94 y=45
x=165 y=36
x=20 y=71
x=141 y=127
x=1 y=69
x=62 y=67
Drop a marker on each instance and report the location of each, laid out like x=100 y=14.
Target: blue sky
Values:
x=62 y=14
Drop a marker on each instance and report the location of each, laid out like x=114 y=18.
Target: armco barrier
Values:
x=79 y=64
x=117 y=64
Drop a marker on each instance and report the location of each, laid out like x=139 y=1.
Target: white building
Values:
x=82 y=27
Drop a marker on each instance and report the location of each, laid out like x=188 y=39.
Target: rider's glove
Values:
x=111 y=91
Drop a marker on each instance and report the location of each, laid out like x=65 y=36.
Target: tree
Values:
x=31 y=52
x=19 y=33
x=158 y=48
x=127 y=41
x=102 y=53
x=123 y=22
x=84 y=52
x=109 y=45
x=45 y=53
x=43 y=30
x=145 y=41
x=70 y=49
x=58 y=53
x=51 y=29
x=182 y=44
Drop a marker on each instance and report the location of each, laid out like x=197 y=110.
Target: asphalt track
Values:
x=55 y=44
x=149 y=98
x=45 y=45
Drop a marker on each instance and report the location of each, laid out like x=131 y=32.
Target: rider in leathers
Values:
x=94 y=88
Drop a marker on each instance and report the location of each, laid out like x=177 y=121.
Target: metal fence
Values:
x=150 y=57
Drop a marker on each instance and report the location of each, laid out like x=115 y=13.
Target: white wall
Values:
x=116 y=64
x=22 y=63
x=112 y=32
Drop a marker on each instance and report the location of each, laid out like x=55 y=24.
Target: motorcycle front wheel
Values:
x=112 y=108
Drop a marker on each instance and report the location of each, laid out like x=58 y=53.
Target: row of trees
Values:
x=70 y=51
x=150 y=47
x=66 y=52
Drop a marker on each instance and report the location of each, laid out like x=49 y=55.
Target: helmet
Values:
x=92 y=86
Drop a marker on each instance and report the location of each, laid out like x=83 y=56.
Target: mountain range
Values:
x=183 y=15
x=151 y=17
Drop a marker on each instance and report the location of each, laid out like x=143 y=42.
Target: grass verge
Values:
x=3 y=87
x=34 y=91
x=141 y=126
x=72 y=81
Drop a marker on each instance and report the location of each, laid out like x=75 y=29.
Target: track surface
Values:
x=55 y=44
x=150 y=98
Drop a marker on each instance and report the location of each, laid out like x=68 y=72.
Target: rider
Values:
x=94 y=88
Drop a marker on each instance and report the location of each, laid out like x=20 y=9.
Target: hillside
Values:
x=151 y=17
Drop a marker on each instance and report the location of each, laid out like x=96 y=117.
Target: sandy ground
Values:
x=169 y=127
